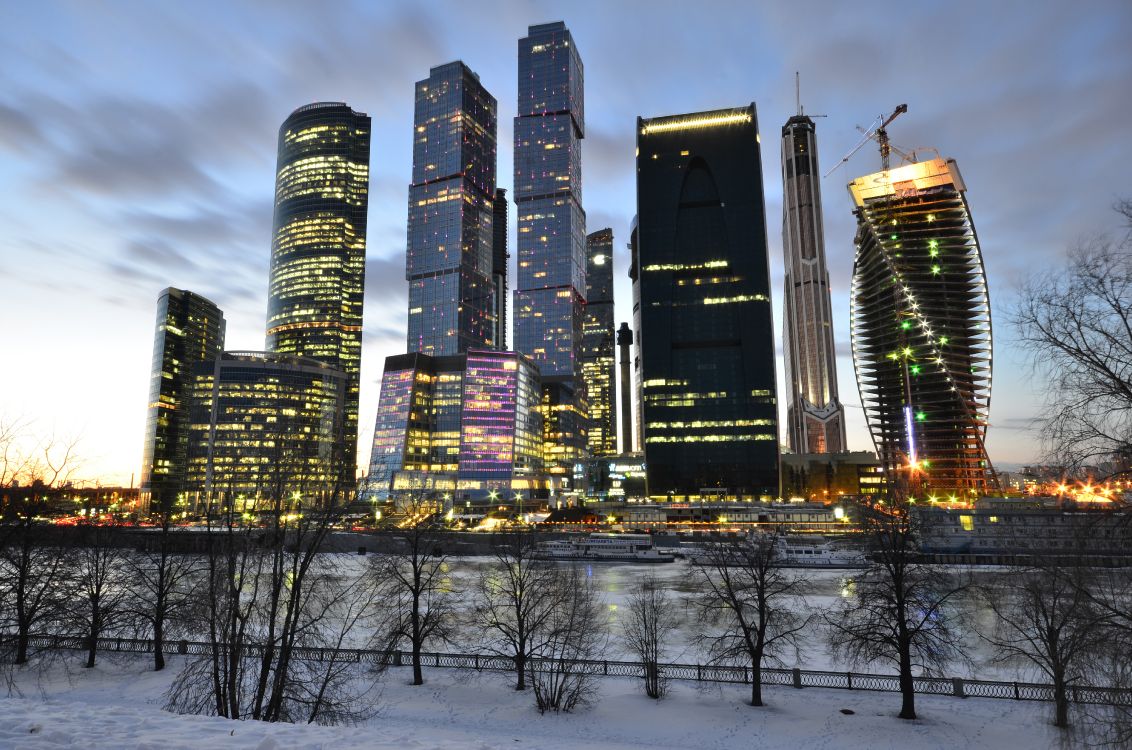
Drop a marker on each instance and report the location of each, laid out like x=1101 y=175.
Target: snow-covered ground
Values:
x=116 y=705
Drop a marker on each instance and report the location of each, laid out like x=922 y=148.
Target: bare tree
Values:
x=1045 y=616
x=33 y=557
x=1075 y=323
x=754 y=600
x=900 y=610
x=417 y=585
x=34 y=583
x=559 y=677
x=514 y=601
x=652 y=621
x=161 y=584
x=100 y=588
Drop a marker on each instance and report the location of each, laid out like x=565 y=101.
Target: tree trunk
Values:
x=91 y=648
x=1061 y=701
x=521 y=671
x=757 y=678
x=22 y=646
x=418 y=677
x=158 y=643
x=907 y=686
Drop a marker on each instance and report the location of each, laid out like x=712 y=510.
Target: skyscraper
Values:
x=449 y=260
x=460 y=427
x=922 y=330
x=318 y=248
x=551 y=282
x=814 y=416
x=499 y=257
x=598 y=361
x=707 y=348
x=190 y=329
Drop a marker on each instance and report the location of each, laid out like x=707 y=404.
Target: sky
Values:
x=138 y=143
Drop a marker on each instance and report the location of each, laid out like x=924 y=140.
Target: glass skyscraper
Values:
x=190 y=329
x=266 y=431
x=707 y=347
x=318 y=248
x=921 y=325
x=815 y=418
x=551 y=235
x=598 y=360
x=449 y=261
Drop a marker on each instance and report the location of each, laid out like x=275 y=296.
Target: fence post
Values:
x=182 y=647
x=1017 y=697
x=699 y=673
x=957 y=688
x=477 y=658
x=849 y=677
x=605 y=665
x=397 y=658
x=797 y=678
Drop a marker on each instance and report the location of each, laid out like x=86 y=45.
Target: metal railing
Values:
x=797 y=678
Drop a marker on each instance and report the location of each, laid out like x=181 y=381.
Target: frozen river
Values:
x=617 y=581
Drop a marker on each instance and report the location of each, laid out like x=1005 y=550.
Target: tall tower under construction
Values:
x=921 y=328
x=815 y=417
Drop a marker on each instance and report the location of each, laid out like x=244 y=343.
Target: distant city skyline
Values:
x=139 y=154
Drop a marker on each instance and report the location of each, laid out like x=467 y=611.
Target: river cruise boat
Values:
x=636 y=548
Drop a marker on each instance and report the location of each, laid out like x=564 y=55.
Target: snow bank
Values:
x=117 y=706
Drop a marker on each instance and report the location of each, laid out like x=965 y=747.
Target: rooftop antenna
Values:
x=798 y=92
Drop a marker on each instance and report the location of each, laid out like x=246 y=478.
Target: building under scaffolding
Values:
x=921 y=329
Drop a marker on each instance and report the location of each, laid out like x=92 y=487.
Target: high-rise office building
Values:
x=815 y=419
x=921 y=330
x=318 y=248
x=599 y=363
x=266 y=432
x=462 y=428
x=499 y=257
x=449 y=261
x=551 y=237
x=190 y=329
x=707 y=348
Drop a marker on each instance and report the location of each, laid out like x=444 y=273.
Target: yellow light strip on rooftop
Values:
x=691 y=123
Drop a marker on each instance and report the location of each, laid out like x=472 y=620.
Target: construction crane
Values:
x=877 y=131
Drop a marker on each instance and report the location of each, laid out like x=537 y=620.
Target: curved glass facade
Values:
x=922 y=331
x=266 y=429
x=318 y=247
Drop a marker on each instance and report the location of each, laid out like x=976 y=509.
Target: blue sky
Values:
x=137 y=151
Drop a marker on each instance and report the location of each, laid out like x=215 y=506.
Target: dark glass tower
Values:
x=449 y=261
x=598 y=361
x=922 y=331
x=190 y=329
x=814 y=416
x=707 y=348
x=318 y=248
x=551 y=239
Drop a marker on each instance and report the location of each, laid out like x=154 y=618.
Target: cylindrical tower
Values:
x=318 y=248
x=921 y=329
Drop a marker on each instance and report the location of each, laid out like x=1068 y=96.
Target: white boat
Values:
x=604 y=548
x=816 y=552
x=791 y=552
